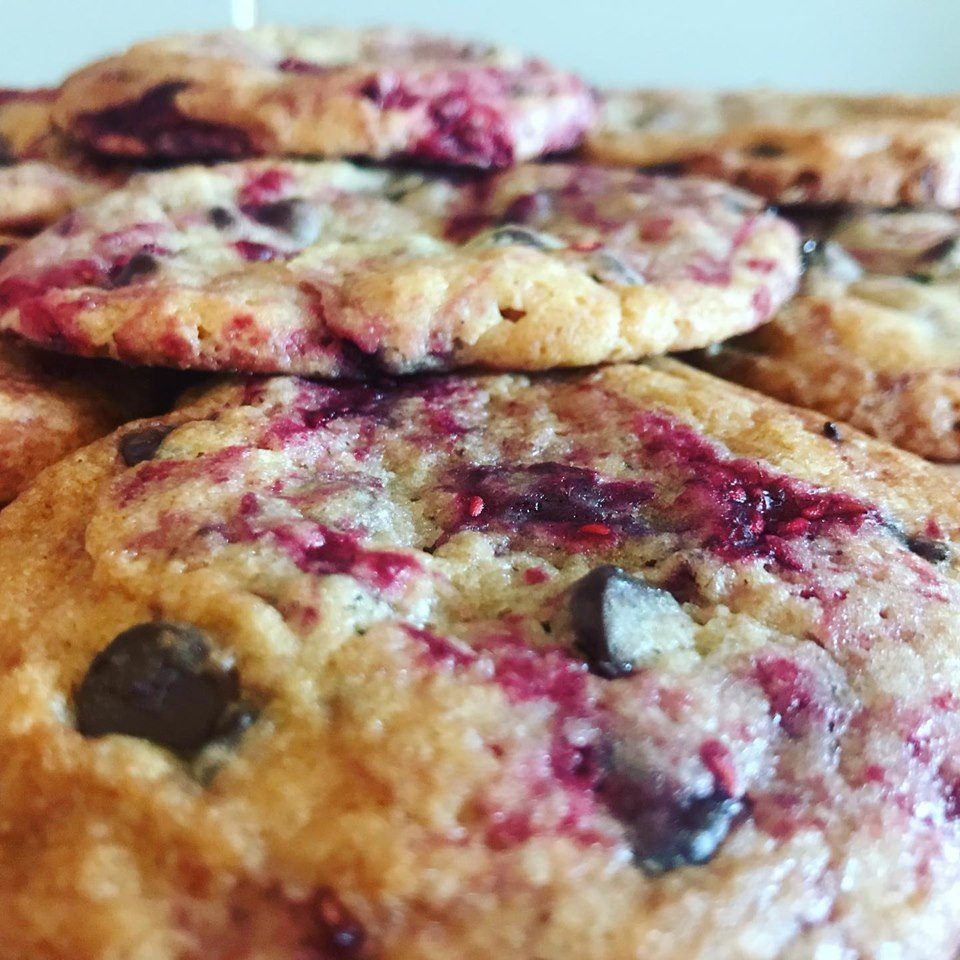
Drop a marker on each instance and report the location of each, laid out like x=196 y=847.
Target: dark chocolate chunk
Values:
x=810 y=253
x=221 y=217
x=939 y=251
x=140 y=445
x=934 y=551
x=293 y=216
x=139 y=265
x=764 y=149
x=685 y=834
x=160 y=682
x=666 y=827
x=608 y=608
x=512 y=235
x=831 y=431
x=609 y=268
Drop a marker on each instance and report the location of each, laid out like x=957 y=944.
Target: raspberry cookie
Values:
x=793 y=148
x=876 y=339
x=40 y=178
x=337 y=270
x=325 y=92
x=610 y=665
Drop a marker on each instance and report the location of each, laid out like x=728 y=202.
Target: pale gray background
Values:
x=823 y=44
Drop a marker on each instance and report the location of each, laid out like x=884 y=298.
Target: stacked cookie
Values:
x=874 y=183
x=452 y=619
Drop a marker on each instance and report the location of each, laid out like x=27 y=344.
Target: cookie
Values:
x=337 y=270
x=875 y=340
x=375 y=93
x=629 y=663
x=41 y=179
x=793 y=148
x=52 y=405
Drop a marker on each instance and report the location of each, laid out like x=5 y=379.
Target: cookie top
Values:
x=336 y=270
x=41 y=179
x=792 y=148
x=328 y=92
x=619 y=664
x=876 y=338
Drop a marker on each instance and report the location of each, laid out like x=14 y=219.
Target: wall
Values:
x=885 y=44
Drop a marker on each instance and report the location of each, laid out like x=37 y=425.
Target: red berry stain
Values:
x=736 y=507
x=788 y=691
x=265 y=186
x=465 y=113
x=153 y=126
x=716 y=757
x=256 y=252
x=563 y=503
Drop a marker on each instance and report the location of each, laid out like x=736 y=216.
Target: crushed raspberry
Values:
x=322 y=551
x=736 y=507
x=716 y=757
x=264 y=186
x=529 y=208
x=788 y=691
x=256 y=252
x=762 y=302
x=386 y=92
x=153 y=125
x=534 y=576
x=473 y=134
x=656 y=230
x=562 y=502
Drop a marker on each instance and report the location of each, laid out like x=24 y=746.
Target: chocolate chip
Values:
x=939 y=251
x=160 y=682
x=235 y=722
x=609 y=268
x=139 y=265
x=336 y=933
x=221 y=217
x=671 y=169
x=295 y=217
x=684 y=834
x=831 y=431
x=933 y=551
x=613 y=614
x=764 y=149
x=140 y=445
x=401 y=185
x=666 y=824
x=809 y=253
x=237 y=719
x=6 y=153
x=512 y=235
